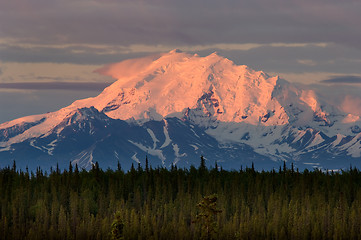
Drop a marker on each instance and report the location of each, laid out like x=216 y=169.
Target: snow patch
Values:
x=195 y=133
x=316 y=141
x=8 y=148
x=314 y=165
x=309 y=163
x=355 y=148
x=167 y=140
x=265 y=140
x=85 y=159
x=338 y=139
x=194 y=146
x=176 y=154
x=51 y=147
x=300 y=134
x=34 y=146
x=151 y=151
x=116 y=154
x=154 y=138
x=176 y=151
x=134 y=158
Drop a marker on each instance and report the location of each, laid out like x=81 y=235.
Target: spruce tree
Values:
x=117 y=227
x=207 y=216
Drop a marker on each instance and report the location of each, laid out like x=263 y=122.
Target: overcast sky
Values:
x=49 y=49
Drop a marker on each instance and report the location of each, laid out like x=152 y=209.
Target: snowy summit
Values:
x=234 y=109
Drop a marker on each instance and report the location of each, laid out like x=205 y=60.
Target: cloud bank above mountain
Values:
x=187 y=22
x=306 y=36
x=79 y=86
x=344 y=79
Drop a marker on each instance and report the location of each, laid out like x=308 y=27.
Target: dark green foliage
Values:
x=164 y=204
x=117 y=227
x=207 y=216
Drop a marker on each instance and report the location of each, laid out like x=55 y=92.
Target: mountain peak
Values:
x=181 y=105
x=176 y=50
x=215 y=53
x=212 y=87
x=174 y=82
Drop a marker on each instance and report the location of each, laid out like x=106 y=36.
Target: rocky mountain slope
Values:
x=175 y=107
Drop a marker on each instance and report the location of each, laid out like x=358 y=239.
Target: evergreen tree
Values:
x=146 y=164
x=202 y=165
x=207 y=216
x=117 y=227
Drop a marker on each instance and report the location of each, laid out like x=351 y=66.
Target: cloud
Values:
x=172 y=22
x=352 y=104
x=50 y=72
x=307 y=62
x=346 y=97
x=20 y=103
x=91 y=53
x=79 y=86
x=331 y=58
x=277 y=36
x=270 y=57
x=75 y=54
x=343 y=79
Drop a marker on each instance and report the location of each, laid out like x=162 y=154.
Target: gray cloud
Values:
x=346 y=97
x=48 y=78
x=268 y=58
x=78 y=55
x=333 y=58
x=15 y=104
x=119 y=24
x=343 y=79
x=79 y=86
x=181 y=22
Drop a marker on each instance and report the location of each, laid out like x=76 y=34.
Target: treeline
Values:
x=165 y=203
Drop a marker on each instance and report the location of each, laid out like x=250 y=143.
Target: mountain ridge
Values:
x=231 y=105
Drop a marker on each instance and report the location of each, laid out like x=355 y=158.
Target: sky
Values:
x=49 y=50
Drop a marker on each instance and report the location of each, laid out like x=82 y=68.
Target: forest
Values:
x=193 y=203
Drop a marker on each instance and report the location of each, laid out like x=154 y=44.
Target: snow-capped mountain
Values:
x=175 y=107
